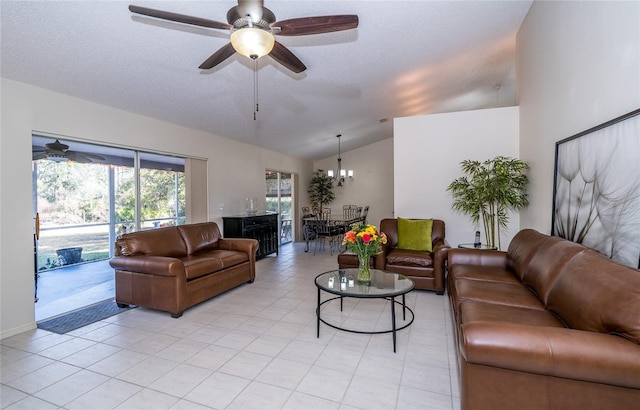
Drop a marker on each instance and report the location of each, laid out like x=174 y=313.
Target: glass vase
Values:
x=364 y=272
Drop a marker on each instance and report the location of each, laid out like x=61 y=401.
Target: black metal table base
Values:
x=393 y=329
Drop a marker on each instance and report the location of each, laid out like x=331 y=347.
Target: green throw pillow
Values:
x=415 y=234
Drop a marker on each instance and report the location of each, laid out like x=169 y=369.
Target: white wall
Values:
x=428 y=151
x=236 y=171
x=373 y=182
x=578 y=66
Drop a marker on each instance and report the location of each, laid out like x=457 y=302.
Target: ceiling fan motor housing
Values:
x=237 y=20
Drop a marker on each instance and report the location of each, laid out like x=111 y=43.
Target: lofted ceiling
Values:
x=405 y=58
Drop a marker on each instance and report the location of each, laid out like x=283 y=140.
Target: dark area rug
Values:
x=79 y=318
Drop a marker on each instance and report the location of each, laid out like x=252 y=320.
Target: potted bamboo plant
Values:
x=320 y=189
x=488 y=190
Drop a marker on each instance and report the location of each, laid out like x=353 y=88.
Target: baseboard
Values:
x=18 y=330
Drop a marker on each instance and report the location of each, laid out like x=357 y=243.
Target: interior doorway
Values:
x=279 y=198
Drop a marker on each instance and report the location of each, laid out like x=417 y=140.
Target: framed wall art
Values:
x=596 y=195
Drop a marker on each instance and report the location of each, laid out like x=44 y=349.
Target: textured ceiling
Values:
x=405 y=58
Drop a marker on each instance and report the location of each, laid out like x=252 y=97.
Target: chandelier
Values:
x=341 y=175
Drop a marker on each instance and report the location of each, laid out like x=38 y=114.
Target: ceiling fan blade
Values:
x=90 y=156
x=78 y=157
x=180 y=18
x=316 y=25
x=285 y=57
x=39 y=155
x=219 y=56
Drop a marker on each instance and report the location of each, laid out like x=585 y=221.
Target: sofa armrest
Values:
x=440 y=252
x=248 y=246
x=380 y=258
x=153 y=265
x=560 y=352
x=477 y=257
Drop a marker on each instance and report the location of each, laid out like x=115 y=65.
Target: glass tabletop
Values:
x=345 y=282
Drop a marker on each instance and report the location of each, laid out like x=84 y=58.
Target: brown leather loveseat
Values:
x=174 y=268
x=426 y=269
x=549 y=324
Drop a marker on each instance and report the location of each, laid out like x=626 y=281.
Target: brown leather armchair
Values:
x=426 y=269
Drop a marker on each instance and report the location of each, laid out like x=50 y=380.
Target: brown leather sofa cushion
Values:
x=490 y=312
x=547 y=264
x=200 y=237
x=593 y=293
x=483 y=273
x=157 y=242
x=524 y=246
x=212 y=261
x=406 y=257
x=500 y=293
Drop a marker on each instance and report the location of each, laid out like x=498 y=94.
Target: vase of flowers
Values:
x=364 y=240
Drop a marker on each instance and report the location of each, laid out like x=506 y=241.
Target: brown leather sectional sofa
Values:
x=174 y=268
x=426 y=269
x=549 y=324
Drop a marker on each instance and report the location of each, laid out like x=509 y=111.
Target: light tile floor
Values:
x=254 y=347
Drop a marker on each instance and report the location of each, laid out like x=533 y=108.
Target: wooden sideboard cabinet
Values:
x=263 y=227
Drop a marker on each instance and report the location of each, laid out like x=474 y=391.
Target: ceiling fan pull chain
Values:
x=255 y=87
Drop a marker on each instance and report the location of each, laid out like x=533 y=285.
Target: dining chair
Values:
x=365 y=212
x=324 y=228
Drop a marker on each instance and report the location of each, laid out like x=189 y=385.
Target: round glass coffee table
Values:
x=384 y=285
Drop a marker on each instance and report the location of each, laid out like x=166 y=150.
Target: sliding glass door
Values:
x=84 y=195
x=88 y=194
x=278 y=199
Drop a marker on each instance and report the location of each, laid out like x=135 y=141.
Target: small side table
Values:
x=482 y=246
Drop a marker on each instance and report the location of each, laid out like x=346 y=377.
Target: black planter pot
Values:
x=69 y=256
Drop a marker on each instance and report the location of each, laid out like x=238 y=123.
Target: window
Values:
x=86 y=194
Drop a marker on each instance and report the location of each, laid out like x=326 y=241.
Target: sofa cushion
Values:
x=484 y=273
x=157 y=242
x=212 y=261
x=523 y=248
x=547 y=264
x=495 y=292
x=200 y=237
x=489 y=312
x=595 y=294
x=406 y=257
x=415 y=234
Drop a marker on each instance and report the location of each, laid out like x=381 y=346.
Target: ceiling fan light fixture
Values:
x=252 y=42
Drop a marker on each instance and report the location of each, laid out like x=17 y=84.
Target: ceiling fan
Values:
x=252 y=28
x=59 y=152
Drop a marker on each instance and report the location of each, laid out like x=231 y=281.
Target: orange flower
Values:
x=350 y=237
